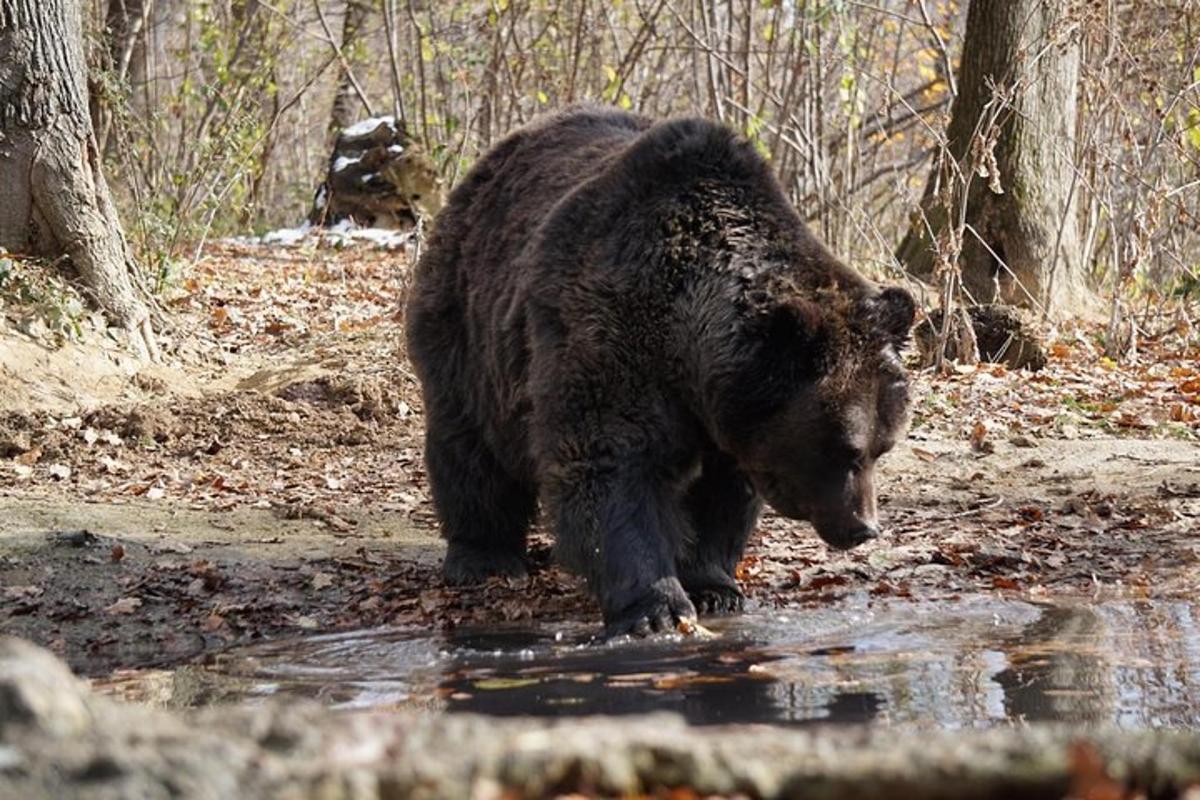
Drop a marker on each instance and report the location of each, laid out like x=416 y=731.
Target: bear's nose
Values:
x=861 y=533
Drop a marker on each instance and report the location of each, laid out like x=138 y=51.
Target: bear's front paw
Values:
x=712 y=590
x=718 y=599
x=660 y=608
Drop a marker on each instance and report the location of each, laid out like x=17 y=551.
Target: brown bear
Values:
x=627 y=322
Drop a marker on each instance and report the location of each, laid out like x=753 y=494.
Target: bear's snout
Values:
x=849 y=538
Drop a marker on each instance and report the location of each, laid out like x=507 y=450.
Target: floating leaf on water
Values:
x=494 y=684
x=683 y=681
x=690 y=627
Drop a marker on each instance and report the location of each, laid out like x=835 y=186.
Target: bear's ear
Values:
x=793 y=321
x=794 y=337
x=891 y=314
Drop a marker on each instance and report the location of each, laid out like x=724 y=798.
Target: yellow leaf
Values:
x=504 y=683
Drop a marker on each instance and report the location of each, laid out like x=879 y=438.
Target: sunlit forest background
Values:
x=218 y=117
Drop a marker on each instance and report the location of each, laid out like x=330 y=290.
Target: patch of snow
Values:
x=366 y=178
x=321 y=198
x=368 y=125
x=340 y=234
x=395 y=149
x=341 y=162
x=287 y=236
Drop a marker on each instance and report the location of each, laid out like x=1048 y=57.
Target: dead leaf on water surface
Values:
x=494 y=684
x=632 y=678
x=684 y=681
x=690 y=627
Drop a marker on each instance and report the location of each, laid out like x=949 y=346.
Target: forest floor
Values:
x=267 y=478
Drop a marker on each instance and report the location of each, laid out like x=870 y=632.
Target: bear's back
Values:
x=492 y=214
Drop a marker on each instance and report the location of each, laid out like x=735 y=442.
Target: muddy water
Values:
x=970 y=662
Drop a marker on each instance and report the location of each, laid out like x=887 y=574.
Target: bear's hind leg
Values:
x=722 y=508
x=485 y=513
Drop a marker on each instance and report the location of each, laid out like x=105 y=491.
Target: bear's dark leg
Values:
x=622 y=532
x=484 y=512
x=723 y=509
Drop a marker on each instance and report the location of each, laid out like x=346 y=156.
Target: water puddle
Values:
x=970 y=662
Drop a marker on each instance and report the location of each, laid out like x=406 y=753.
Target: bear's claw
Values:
x=659 y=609
x=718 y=600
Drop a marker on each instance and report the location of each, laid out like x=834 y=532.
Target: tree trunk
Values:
x=1010 y=159
x=53 y=198
x=346 y=105
x=124 y=23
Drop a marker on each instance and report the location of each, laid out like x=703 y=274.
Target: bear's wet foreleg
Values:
x=484 y=512
x=622 y=532
x=723 y=509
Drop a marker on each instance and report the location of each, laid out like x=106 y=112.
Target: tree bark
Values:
x=346 y=104
x=54 y=201
x=1010 y=154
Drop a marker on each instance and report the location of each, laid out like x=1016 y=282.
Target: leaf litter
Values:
x=1080 y=478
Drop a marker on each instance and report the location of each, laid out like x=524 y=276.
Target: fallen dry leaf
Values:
x=126 y=605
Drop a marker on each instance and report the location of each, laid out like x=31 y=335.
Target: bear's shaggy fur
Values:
x=627 y=322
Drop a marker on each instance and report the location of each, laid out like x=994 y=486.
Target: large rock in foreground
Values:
x=57 y=740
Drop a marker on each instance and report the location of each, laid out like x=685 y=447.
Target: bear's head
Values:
x=820 y=398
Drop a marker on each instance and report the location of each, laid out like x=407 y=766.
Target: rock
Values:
x=56 y=741
x=38 y=691
x=79 y=538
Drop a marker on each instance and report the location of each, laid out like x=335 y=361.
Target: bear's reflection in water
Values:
x=710 y=682
x=974 y=663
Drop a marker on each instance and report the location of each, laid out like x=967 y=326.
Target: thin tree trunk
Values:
x=1010 y=159
x=346 y=103
x=53 y=198
x=124 y=23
